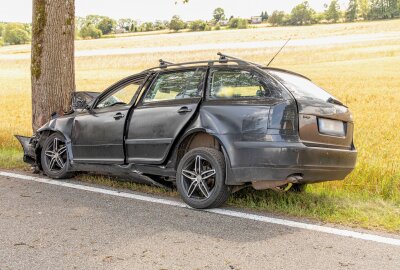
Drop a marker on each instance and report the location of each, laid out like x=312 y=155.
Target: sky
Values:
x=151 y=10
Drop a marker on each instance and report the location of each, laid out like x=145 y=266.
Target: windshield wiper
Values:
x=335 y=101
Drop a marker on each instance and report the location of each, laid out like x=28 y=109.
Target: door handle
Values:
x=118 y=116
x=184 y=109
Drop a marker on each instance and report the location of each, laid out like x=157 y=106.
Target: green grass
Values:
x=318 y=204
x=11 y=158
x=315 y=203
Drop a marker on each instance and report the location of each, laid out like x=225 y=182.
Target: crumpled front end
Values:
x=30 y=145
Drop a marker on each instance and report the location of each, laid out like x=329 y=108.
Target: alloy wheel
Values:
x=56 y=155
x=198 y=178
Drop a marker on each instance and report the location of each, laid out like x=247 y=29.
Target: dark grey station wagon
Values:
x=208 y=128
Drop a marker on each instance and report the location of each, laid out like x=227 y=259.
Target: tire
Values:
x=54 y=159
x=204 y=187
x=298 y=188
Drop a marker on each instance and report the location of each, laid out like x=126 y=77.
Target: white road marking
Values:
x=225 y=212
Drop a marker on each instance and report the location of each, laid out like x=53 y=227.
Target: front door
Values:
x=98 y=134
x=167 y=106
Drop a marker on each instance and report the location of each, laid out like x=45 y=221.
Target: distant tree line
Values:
x=356 y=10
x=95 y=26
x=15 y=33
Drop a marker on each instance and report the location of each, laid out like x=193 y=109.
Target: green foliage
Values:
x=160 y=25
x=2 y=26
x=363 y=8
x=264 y=15
x=217 y=27
x=94 y=19
x=276 y=17
x=125 y=24
x=16 y=33
x=383 y=9
x=176 y=24
x=238 y=23
x=333 y=13
x=302 y=14
x=219 y=14
x=351 y=12
x=318 y=17
x=89 y=31
x=107 y=25
x=147 y=26
x=1 y=42
x=198 y=25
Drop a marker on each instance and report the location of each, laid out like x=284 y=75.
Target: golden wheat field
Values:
x=364 y=75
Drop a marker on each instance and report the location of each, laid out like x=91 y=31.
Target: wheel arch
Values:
x=201 y=137
x=44 y=133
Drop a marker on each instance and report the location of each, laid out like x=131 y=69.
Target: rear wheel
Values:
x=201 y=178
x=54 y=157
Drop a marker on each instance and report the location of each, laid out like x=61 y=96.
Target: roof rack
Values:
x=223 y=59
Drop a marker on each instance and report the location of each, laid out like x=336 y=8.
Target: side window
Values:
x=237 y=84
x=122 y=96
x=176 y=85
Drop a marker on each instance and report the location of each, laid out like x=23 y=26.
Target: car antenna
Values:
x=272 y=59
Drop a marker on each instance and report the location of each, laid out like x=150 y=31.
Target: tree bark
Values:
x=52 y=64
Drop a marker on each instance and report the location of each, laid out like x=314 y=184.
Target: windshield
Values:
x=302 y=87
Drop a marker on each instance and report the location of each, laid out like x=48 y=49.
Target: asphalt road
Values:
x=45 y=226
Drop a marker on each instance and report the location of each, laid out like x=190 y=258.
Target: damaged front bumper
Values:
x=29 y=144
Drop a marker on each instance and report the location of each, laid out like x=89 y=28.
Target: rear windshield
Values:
x=301 y=87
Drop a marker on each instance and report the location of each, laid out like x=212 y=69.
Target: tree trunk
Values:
x=52 y=64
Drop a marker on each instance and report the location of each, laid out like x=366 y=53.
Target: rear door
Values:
x=249 y=97
x=166 y=107
x=248 y=109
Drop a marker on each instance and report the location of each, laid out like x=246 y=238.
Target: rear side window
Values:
x=239 y=84
x=176 y=85
x=301 y=87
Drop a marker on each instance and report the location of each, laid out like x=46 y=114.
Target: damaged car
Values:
x=209 y=128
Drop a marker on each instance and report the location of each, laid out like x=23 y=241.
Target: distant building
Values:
x=256 y=20
x=120 y=31
x=223 y=22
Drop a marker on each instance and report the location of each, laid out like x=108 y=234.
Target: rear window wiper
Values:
x=335 y=101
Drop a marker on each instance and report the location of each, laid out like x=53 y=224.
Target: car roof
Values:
x=224 y=61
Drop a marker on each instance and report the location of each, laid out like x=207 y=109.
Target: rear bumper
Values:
x=314 y=164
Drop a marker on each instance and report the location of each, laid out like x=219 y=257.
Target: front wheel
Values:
x=54 y=157
x=201 y=178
